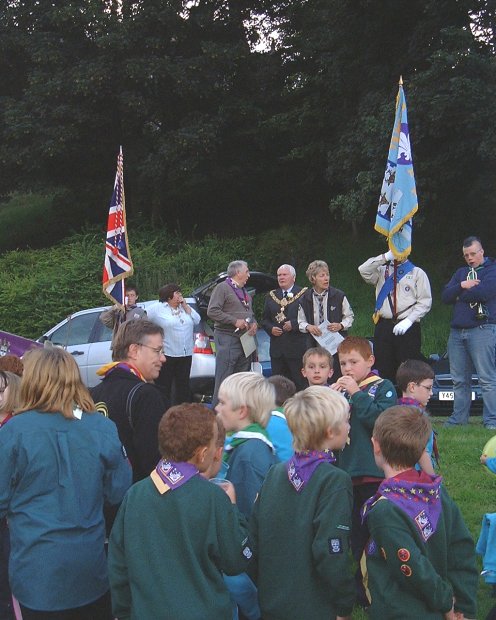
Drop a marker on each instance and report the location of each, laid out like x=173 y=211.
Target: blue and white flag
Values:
x=398 y=201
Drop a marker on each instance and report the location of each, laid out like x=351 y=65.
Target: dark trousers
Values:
x=173 y=379
x=229 y=359
x=290 y=368
x=360 y=533
x=98 y=610
x=391 y=350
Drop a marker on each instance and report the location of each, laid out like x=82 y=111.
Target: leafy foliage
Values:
x=229 y=136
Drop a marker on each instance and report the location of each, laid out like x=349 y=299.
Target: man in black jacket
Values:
x=280 y=321
x=127 y=394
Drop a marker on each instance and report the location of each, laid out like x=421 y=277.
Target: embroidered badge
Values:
x=403 y=555
x=389 y=394
x=424 y=525
x=335 y=546
x=406 y=570
x=102 y=408
x=373 y=390
x=371 y=548
x=170 y=472
x=343 y=527
x=247 y=552
x=383 y=553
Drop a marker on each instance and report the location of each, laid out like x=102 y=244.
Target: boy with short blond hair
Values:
x=368 y=395
x=310 y=500
x=317 y=366
x=244 y=404
x=245 y=401
x=420 y=557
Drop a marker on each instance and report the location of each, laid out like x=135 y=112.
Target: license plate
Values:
x=451 y=396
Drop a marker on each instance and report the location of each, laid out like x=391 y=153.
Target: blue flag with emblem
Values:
x=398 y=202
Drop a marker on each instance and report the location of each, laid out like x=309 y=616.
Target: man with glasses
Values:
x=472 y=339
x=128 y=396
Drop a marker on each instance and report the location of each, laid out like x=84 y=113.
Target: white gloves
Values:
x=390 y=256
x=402 y=327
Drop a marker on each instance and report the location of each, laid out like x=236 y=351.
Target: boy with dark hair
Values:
x=415 y=380
x=317 y=366
x=420 y=557
x=278 y=429
x=301 y=521
x=368 y=395
x=176 y=532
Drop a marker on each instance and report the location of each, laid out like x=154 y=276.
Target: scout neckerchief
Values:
x=371 y=379
x=413 y=402
x=389 y=283
x=285 y=301
x=170 y=475
x=302 y=465
x=278 y=412
x=252 y=431
x=417 y=494
x=240 y=292
x=106 y=369
x=366 y=385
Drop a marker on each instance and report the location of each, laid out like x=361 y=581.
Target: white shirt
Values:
x=177 y=326
x=413 y=291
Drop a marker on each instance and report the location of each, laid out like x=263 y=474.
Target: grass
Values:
x=469 y=483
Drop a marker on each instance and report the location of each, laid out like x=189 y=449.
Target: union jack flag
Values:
x=118 y=264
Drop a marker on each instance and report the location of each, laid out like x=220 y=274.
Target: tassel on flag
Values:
x=398 y=202
x=118 y=264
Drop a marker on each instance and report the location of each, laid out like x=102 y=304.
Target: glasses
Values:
x=158 y=350
x=429 y=388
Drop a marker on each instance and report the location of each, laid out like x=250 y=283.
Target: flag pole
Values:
x=117 y=263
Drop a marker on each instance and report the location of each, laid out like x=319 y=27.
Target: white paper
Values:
x=328 y=340
x=248 y=343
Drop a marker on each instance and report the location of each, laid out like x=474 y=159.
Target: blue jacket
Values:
x=464 y=317
x=248 y=466
x=55 y=473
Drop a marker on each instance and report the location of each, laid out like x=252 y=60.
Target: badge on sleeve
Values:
x=403 y=555
x=335 y=546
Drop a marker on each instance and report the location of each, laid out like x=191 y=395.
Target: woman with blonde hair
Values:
x=59 y=461
x=9 y=399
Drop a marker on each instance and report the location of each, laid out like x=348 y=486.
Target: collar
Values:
x=107 y=369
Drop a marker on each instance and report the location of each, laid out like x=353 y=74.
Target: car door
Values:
x=99 y=352
x=74 y=335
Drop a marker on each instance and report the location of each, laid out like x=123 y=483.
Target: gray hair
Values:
x=292 y=270
x=235 y=266
x=314 y=268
